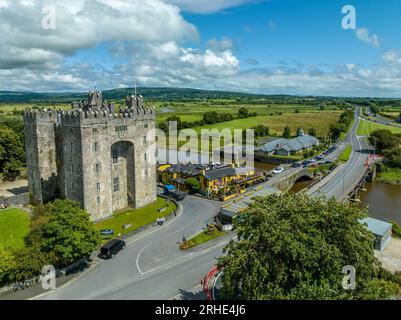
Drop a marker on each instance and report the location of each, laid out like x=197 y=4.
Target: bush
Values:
x=396 y=229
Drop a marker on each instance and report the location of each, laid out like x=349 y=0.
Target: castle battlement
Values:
x=41 y=115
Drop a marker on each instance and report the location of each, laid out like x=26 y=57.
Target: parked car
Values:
x=320 y=157
x=172 y=192
x=111 y=248
x=296 y=165
x=278 y=170
x=328 y=162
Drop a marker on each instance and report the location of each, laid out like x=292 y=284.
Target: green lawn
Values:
x=14 y=226
x=137 y=217
x=204 y=237
x=366 y=127
x=346 y=154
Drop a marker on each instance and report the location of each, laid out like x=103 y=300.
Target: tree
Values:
x=66 y=232
x=210 y=117
x=260 y=131
x=312 y=132
x=243 y=113
x=29 y=263
x=7 y=264
x=393 y=157
x=295 y=247
x=12 y=153
x=193 y=184
x=384 y=139
x=287 y=132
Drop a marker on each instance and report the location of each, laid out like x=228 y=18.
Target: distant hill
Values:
x=181 y=95
x=168 y=94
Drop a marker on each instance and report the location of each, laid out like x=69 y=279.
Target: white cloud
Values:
x=84 y=24
x=208 y=6
x=220 y=45
x=364 y=35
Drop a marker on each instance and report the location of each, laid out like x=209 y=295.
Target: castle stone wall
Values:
x=74 y=151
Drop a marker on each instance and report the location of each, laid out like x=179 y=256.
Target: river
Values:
x=383 y=201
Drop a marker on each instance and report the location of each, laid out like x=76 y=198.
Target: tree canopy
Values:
x=12 y=153
x=294 y=247
x=65 y=231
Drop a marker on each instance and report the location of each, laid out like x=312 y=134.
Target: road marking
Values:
x=188 y=256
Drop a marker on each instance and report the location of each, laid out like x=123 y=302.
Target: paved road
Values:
x=342 y=183
x=152 y=267
x=381 y=120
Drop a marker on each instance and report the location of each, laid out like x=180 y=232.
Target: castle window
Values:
x=146 y=172
x=146 y=156
x=115 y=155
x=98 y=201
x=121 y=128
x=96 y=146
x=94 y=130
x=146 y=125
x=116 y=184
x=144 y=139
x=97 y=167
x=98 y=186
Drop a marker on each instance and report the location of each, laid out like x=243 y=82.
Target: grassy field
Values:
x=14 y=226
x=389 y=175
x=275 y=116
x=137 y=217
x=346 y=154
x=319 y=120
x=366 y=127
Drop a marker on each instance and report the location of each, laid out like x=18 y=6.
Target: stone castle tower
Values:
x=102 y=159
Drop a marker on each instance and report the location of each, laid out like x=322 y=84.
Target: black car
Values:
x=111 y=248
x=296 y=165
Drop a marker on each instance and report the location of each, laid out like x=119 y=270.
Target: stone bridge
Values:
x=287 y=183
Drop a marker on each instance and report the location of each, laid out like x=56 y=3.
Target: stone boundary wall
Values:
x=16 y=201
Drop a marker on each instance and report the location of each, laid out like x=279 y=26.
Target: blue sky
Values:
x=272 y=46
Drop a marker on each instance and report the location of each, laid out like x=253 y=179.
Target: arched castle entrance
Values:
x=122 y=175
